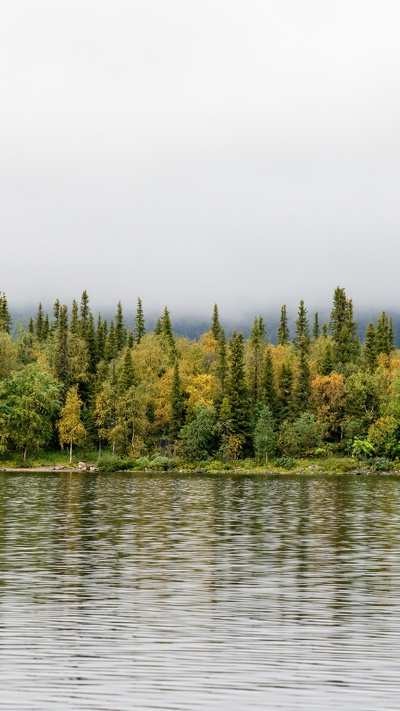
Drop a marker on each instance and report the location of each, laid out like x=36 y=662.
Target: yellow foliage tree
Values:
x=70 y=426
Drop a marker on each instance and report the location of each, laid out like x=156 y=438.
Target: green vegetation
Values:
x=125 y=398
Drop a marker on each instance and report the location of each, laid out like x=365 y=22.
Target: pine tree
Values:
x=384 y=334
x=215 y=324
x=285 y=383
x=91 y=344
x=5 y=317
x=140 y=329
x=221 y=368
x=126 y=375
x=61 y=355
x=257 y=345
x=168 y=334
x=101 y=336
x=324 y=330
x=283 y=329
x=111 y=343
x=369 y=351
x=177 y=401
x=264 y=440
x=236 y=391
x=269 y=392
x=328 y=361
x=74 y=325
x=120 y=330
x=56 y=315
x=39 y=324
x=343 y=328
x=301 y=340
x=302 y=390
x=84 y=314
x=46 y=327
x=316 y=329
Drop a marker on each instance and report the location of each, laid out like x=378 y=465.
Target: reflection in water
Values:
x=232 y=592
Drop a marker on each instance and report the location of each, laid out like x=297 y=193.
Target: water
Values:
x=167 y=592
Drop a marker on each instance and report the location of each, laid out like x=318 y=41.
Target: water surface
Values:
x=124 y=591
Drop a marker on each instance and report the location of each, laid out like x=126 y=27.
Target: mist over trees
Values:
x=71 y=378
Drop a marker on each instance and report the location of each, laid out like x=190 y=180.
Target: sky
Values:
x=244 y=152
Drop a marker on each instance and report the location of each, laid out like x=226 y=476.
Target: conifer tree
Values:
x=168 y=334
x=343 y=328
x=269 y=392
x=302 y=390
x=215 y=324
x=177 y=402
x=46 y=327
x=328 y=361
x=264 y=440
x=285 y=383
x=301 y=340
x=140 y=329
x=74 y=325
x=126 y=375
x=61 y=355
x=111 y=344
x=84 y=314
x=120 y=330
x=5 y=317
x=316 y=329
x=324 y=330
x=31 y=327
x=370 y=351
x=91 y=344
x=56 y=315
x=221 y=368
x=39 y=324
x=384 y=334
x=283 y=329
x=236 y=391
x=101 y=335
x=257 y=345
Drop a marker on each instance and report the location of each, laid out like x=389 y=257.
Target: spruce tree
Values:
x=74 y=325
x=301 y=340
x=369 y=350
x=269 y=392
x=343 y=328
x=256 y=345
x=126 y=375
x=285 y=384
x=61 y=355
x=283 y=329
x=236 y=391
x=302 y=390
x=168 y=334
x=84 y=314
x=384 y=334
x=56 y=314
x=39 y=324
x=120 y=330
x=91 y=344
x=316 y=329
x=221 y=368
x=46 y=327
x=140 y=329
x=215 y=324
x=5 y=316
x=111 y=343
x=328 y=361
x=101 y=335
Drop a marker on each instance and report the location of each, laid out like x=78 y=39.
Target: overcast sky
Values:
x=244 y=152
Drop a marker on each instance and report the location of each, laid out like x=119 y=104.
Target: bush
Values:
x=382 y=464
x=285 y=462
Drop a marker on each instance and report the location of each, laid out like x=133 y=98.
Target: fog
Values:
x=199 y=152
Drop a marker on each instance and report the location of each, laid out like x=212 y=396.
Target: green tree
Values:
x=256 y=353
x=384 y=340
x=264 y=439
x=268 y=388
x=5 y=317
x=301 y=340
x=215 y=324
x=199 y=436
x=343 y=328
x=120 y=330
x=236 y=391
x=285 y=386
x=62 y=368
x=283 y=329
x=316 y=329
x=39 y=324
x=177 y=401
x=302 y=389
x=140 y=328
x=74 y=325
x=370 y=350
x=30 y=399
x=70 y=426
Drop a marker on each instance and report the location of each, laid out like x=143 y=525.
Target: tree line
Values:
x=68 y=379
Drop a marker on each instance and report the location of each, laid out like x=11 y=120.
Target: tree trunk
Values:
x=70 y=451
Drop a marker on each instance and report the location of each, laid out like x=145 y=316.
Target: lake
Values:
x=160 y=591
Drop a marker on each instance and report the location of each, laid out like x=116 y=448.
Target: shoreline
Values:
x=357 y=471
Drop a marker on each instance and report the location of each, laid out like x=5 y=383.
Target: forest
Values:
x=78 y=384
